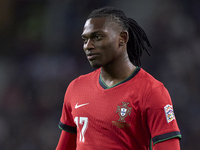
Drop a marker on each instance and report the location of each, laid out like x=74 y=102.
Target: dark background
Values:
x=41 y=52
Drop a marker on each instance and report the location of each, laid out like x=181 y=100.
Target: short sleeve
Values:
x=160 y=115
x=66 y=121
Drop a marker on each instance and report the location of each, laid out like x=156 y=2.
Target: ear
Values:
x=124 y=37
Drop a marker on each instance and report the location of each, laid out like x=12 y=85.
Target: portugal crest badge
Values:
x=123 y=110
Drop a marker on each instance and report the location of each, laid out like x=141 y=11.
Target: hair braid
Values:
x=137 y=36
x=136 y=43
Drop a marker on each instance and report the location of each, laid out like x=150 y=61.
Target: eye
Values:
x=84 y=40
x=98 y=37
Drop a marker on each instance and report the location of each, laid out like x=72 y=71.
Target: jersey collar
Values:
x=104 y=86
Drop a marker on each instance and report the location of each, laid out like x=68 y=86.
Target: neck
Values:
x=113 y=74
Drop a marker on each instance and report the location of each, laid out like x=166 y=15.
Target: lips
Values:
x=91 y=55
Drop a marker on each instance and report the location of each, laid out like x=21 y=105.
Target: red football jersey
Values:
x=126 y=116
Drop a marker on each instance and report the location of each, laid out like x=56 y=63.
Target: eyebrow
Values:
x=92 y=33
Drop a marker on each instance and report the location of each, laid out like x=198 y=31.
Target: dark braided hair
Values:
x=137 y=36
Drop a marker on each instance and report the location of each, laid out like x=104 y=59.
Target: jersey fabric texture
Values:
x=132 y=114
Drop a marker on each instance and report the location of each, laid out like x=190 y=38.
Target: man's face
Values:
x=101 y=41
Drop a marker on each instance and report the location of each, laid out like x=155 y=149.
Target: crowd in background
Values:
x=41 y=52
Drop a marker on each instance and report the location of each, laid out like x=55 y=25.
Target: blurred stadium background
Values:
x=41 y=52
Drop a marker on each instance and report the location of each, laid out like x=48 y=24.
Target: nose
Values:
x=88 y=45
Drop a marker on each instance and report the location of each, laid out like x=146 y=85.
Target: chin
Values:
x=95 y=65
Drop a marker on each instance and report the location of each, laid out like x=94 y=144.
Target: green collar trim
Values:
x=104 y=86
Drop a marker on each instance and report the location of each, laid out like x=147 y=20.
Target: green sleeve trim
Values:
x=176 y=136
x=150 y=144
x=67 y=128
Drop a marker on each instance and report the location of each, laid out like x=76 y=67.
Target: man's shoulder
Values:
x=148 y=79
x=87 y=77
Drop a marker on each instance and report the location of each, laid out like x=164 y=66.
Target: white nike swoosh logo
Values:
x=77 y=106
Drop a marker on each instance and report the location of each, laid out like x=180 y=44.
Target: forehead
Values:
x=98 y=24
